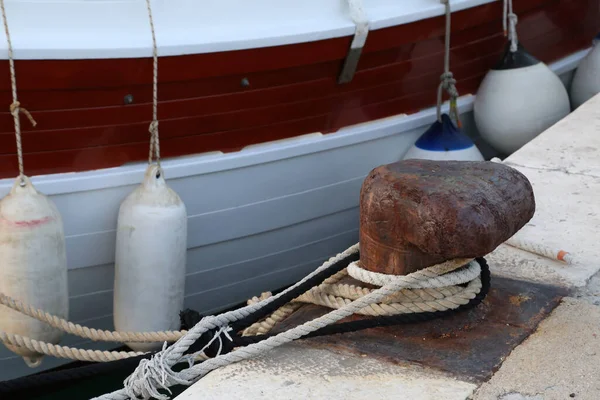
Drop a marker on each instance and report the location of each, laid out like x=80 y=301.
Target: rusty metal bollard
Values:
x=417 y=213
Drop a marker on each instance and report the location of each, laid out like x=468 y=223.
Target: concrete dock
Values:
x=536 y=336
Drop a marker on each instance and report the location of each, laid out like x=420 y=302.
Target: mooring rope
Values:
x=157 y=372
x=415 y=299
x=15 y=108
x=85 y=332
x=334 y=295
x=153 y=129
x=34 y=382
x=93 y=334
x=509 y=21
x=447 y=81
x=72 y=353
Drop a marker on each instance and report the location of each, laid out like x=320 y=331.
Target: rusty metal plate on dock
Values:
x=470 y=345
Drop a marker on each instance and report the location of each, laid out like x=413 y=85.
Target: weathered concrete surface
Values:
x=567 y=218
x=469 y=345
x=416 y=213
x=296 y=371
x=571 y=146
x=563 y=166
x=561 y=360
x=590 y=292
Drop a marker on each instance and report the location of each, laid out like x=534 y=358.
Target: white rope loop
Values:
x=509 y=22
x=447 y=81
x=15 y=107
x=154 y=151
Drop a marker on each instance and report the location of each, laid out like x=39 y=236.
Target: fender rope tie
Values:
x=15 y=108
x=447 y=81
x=509 y=22
x=154 y=151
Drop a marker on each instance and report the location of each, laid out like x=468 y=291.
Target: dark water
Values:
x=81 y=390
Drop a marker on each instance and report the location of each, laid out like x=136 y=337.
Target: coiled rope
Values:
x=15 y=108
x=447 y=81
x=335 y=295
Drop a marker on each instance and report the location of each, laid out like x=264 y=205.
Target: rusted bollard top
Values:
x=417 y=213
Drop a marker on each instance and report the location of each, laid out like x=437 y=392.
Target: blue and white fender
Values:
x=444 y=141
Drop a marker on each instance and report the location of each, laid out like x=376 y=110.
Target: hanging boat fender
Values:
x=444 y=141
x=586 y=81
x=150 y=259
x=33 y=264
x=517 y=100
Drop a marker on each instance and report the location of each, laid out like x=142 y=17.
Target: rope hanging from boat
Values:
x=154 y=152
x=448 y=83
x=509 y=22
x=15 y=107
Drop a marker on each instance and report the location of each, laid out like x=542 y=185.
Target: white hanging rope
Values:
x=15 y=107
x=509 y=22
x=153 y=129
x=448 y=83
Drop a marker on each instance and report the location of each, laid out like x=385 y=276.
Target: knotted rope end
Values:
x=15 y=108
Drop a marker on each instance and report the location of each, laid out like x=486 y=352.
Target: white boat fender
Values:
x=150 y=259
x=444 y=141
x=517 y=100
x=586 y=81
x=33 y=264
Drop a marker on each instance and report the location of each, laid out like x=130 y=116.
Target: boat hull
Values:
x=94 y=113
x=258 y=219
